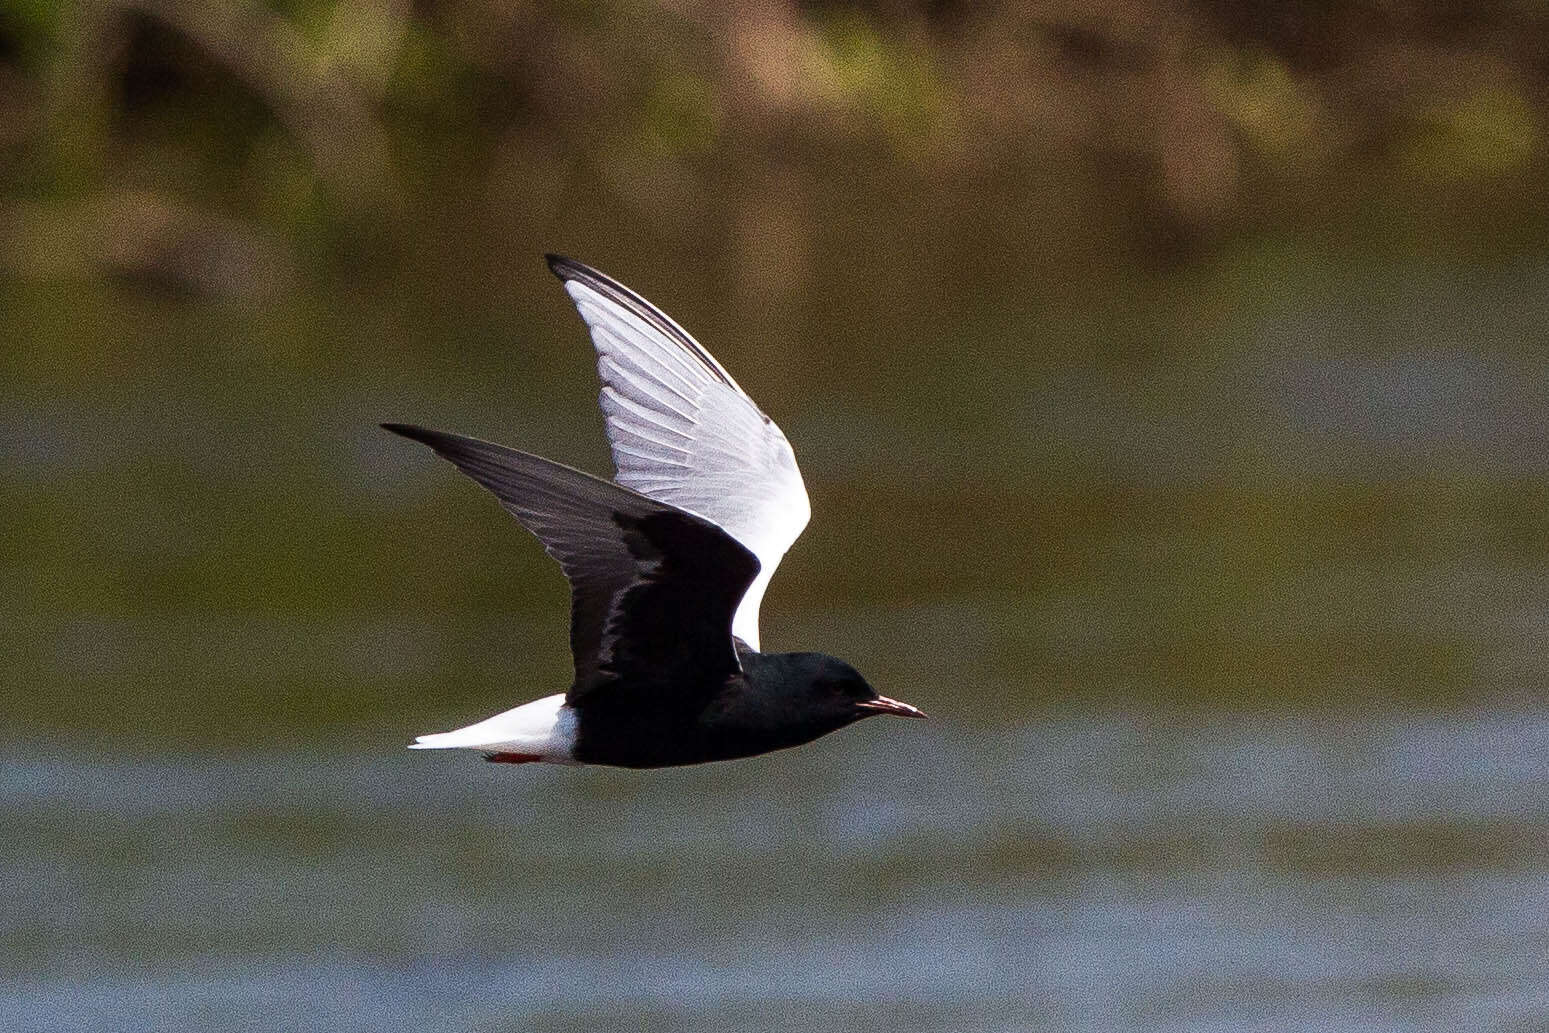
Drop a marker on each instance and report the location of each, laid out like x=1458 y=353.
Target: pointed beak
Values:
x=883 y=705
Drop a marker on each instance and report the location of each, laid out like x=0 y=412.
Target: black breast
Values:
x=764 y=707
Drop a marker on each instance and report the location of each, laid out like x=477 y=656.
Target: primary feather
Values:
x=652 y=587
x=683 y=432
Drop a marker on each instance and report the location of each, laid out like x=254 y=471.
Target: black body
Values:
x=775 y=701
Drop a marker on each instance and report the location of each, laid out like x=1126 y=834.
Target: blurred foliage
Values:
x=230 y=147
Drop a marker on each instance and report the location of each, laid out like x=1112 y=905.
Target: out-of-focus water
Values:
x=1227 y=588
x=1110 y=871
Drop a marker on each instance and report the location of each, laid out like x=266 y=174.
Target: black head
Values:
x=786 y=699
x=837 y=691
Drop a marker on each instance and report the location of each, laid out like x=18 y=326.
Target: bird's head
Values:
x=838 y=690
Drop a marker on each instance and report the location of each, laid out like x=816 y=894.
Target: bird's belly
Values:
x=656 y=737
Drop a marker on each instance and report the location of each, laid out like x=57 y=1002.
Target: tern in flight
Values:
x=667 y=564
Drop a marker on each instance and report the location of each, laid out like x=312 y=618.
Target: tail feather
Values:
x=542 y=730
x=460 y=739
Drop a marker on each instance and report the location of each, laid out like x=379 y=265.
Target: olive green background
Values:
x=1185 y=353
x=1169 y=382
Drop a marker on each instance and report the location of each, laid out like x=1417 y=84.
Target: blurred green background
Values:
x=1169 y=380
x=1182 y=351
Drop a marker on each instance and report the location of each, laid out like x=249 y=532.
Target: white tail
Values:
x=544 y=728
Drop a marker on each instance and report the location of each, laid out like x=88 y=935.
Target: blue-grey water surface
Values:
x=1100 y=871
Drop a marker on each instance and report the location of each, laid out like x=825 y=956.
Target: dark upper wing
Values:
x=652 y=588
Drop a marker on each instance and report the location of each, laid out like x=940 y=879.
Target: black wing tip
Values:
x=567 y=268
x=409 y=430
x=439 y=440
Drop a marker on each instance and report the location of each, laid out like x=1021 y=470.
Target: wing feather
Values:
x=653 y=588
x=685 y=433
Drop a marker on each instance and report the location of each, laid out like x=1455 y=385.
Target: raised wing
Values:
x=685 y=433
x=652 y=588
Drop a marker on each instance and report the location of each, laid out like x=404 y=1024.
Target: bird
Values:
x=667 y=563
